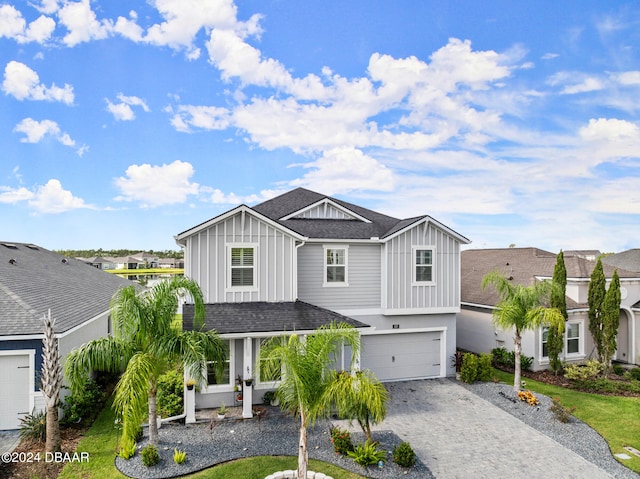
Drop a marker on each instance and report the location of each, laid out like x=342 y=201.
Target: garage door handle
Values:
x=26 y=412
x=23 y=367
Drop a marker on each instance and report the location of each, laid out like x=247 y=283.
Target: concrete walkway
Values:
x=460 y=435
x=9 y=440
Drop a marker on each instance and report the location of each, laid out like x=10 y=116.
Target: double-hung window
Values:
x=545 y=342
x=423 y=258
x=335 y=266
x=220 y=374
x=242 y=267
x=268 y=378
x=573 y=338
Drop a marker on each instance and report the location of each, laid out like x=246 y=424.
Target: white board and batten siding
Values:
x=363 y=274
x=399 y=294
x=274 y=267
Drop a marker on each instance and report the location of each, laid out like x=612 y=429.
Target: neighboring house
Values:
x=100 y=262
x=304 y=259
x=475 y=331
x=170 y=263
x=32 y=281
x=628 y=260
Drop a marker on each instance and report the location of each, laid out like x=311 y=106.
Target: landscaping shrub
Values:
x=635 y=374
x=484 y=367
x=469 y=370
x=150 y=456
x=170 y=393
x=127 y=452
x=581 y=372
x=367 y=454
x=341 y=440
x=619 y=370
x=562 y=413
x=507 y=359
x=34 y=426
x=85 y=405
x=179 y=456
x=403 y=455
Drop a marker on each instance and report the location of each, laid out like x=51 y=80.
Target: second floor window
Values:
x=242 y=267
x=423 y=265
x=335 y=262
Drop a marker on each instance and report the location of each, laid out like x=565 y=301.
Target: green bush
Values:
x=170 y=394
x=341 y=440
x=367 y=454
x=635 y=374
x=150 y=456
x=619 y=370
x=484 y=367
x=507 y=359
x=85 y=405
x=469 y=370
x=126 y=452
x=403 y=455
x=582 y=372
x=34 y=426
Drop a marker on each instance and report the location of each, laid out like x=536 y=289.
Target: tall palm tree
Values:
x=305 y=364
x=521 y=308
x=144 y=345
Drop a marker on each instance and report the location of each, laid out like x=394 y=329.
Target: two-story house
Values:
x=304 y=259
x=525 y=266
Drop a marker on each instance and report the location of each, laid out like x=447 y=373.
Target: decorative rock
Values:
x=288 y=474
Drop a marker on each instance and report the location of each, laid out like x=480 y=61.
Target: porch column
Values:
x=190 y=405
x=247 y=373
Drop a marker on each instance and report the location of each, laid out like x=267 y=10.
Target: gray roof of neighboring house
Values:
x=33 y=280
x=262 y=317
x=522 y=266
x=629 y=260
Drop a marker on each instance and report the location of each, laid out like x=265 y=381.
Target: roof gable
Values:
x=325 y=209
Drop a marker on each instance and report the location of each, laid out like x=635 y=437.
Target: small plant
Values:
x=83 y=406
x=484 y=367
x=150 y=456
x=179 y=456
x=341 y=440
x=562 y=413
x=469 y=370
x=222 y=410
x=456 y=361
x=269 y=397
x=507 y=359
x=635 y=374
x=34 y=426
x=403 y=455
x=139 y=434
x=367 y=454
x=582 y=372
x=528 y=397
x=190 y=383
x=127 y=452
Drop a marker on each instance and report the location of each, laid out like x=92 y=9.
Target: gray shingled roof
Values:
x=628 y=260
x=260 y=317
x=38 y=279
x=522 y=265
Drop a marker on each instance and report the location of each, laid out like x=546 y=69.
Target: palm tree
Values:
x=51 y=383
x=521 y=308
x=143 y=346
x=361 y=396
x=304 y=363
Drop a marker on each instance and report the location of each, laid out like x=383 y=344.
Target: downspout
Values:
x=295 y=293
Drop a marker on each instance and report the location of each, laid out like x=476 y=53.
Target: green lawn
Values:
x=616 y=418
x=101 y=443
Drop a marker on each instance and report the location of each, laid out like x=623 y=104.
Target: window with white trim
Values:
x=572 y=338
x=423 y=265
x=242 y=267
x=263 y=379
x=545 y=339
x=214 y=378
x=335 y=266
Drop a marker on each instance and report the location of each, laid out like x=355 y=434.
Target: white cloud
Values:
x=122 y=111
x=35 y=131
x=82 y=23
x=202 y=117
x=217 y=196
x=589 y=84
x=342 y=170
x=50 y=198
x=13 y=25
x=610 y=130
x=23 y=83
x=628 y=78
x=14 y=195
x=157 y=185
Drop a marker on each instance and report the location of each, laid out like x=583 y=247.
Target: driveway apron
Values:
x=460 y=435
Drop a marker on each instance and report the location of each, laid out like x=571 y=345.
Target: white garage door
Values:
x=402 y=356
x=14 y=389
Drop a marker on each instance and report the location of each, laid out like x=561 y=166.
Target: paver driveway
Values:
x=460 y=435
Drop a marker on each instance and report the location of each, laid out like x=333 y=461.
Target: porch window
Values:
x=545 y=338
x=263 y=378
x=335 y=266
x=423 y=265
x=242 y=267
x=224 y=379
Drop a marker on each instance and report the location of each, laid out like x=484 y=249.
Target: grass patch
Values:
x=101 y=441
x=614 y=417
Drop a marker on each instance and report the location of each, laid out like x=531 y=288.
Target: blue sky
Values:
x=125 y=123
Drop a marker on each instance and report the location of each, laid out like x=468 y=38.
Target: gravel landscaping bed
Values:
x=237 y=438
x=574 y=435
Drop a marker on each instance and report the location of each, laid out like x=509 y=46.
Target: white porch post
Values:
x=247 y=372
x=190 y=405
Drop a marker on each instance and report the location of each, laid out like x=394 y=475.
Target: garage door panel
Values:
x=402 y=356
x=14 y=389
